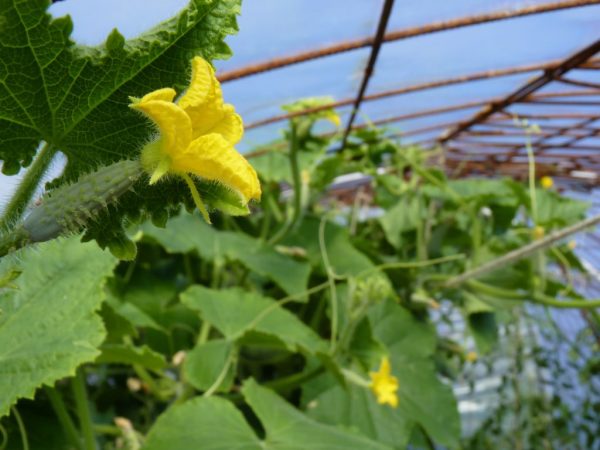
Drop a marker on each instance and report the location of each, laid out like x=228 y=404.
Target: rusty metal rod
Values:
x=562 y=102
x=435 y=27
x=476 y=76
x=529 y=88
x=587 y=84
x=509 y=146
x=376 y=47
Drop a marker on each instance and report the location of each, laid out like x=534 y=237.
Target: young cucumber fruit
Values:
x=69 y=208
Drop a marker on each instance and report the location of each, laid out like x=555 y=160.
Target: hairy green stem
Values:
x=29 y=183
x=411 y=265
x=331 y=280
x=523 y=252
x=65 y=420
x=292 y=381
x=535 y=297
x=531 y=167
x=83 y=410
x=550 y=301
x=291 y=223
x=204 y=332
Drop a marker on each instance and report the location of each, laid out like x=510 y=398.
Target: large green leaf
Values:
x=356 y=407
x=345 y=259
x=553 y=210
x=50 y=325
x=215 y=424
x=128 y=354
x=404 y=216
x=422 y=396
x=75 y=98
x=186 y=233
x=234 y=312
x=400 y=332
x=205 y=362
x=288 y=429
x=202 y=423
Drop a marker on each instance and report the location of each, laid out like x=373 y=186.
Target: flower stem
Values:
x=31 y=180
x=83 y=410
x=58 y=405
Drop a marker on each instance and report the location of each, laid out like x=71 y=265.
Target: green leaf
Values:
x=554 y=210
x=50 y=325
x=484 y=330
x=128 y=354
x=117 y=326
x=202 y=423
x=357 y=408
x=76 y=97
x=215 y=424
x=186 y=233
x=234 y=312
x=345 y=259
x=288 y=429
x=404 y=216
x=275 y=166
x=422 y=396
x=205 y=362
x=397 y=329
x=133 y=314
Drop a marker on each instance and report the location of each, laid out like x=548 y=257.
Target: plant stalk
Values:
x=297 y=185
x=83 y=410
x=58 y=405
x=29 y=183
x=523 y=252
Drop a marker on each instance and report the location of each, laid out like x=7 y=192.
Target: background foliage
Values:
x=253 y=333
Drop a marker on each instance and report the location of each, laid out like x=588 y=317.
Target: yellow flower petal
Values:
x=223 y=121
x=164 y=94
x=174 y=124
x=203 y=86
x=384 y=384
x=213 y=158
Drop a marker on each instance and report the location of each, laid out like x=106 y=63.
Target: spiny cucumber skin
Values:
x=69 y=208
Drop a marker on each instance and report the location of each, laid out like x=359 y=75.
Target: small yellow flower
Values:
x=538 y=232
x=571 y=245
x=197 y=136
x=384 y=384
x=471 y=357
x=547 y=182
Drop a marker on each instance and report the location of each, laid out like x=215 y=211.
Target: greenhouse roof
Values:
x=453 y=73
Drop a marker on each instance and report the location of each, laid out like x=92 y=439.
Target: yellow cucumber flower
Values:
x=471 y=357
x=547 y=182
x=384 y=384
x=197 y=136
